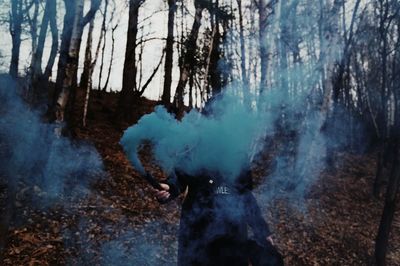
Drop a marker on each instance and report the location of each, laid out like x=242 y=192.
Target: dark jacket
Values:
x=214 y=219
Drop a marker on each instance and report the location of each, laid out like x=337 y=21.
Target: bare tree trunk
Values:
x=126 y=97
x=87 y=73
x=389 y=209
x=166 y=96
x=263 y=23
x=91 y=67
x=112 y=57
x=34 y=35
x=140 y=59
x=188 y=58
x=63 y=54
x=54 y=38
x=329 y=47
x=245 y=79
x=30 y=79
x=384 y=92
x=38 y=54
x=103 y=33
x=252 y=63
x=191 y=84
x=72 y=64
x=16 y=19
x=206 y=86
x=215 y=55
x=284 y=40
x=87 y=63
x=69 y=81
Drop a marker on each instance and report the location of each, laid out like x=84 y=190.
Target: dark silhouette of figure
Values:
x=215 y=217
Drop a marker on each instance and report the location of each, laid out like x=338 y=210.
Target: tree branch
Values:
x=152 y=75
x=94 y=6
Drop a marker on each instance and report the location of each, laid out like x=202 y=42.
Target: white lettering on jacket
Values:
x=222 y=190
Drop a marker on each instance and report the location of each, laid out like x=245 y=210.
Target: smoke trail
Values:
x=36 y=157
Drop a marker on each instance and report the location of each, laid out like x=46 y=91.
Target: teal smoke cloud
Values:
x=222 y=142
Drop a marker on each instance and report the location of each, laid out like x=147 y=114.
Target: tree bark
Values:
x=382 y=118
x=89 y=70
x=263 y=23
x=169 y=51
x=207 y=74
x=71 y=68
x=389 y=209
x=112 y=57
x=72 y=63
x=64 y=48
x=215 y=55
x=34 y=36
x=245 y=78
x=188 y=59
x=87 y=63
x=16 y=19
x=129 y=85
x=103 y=33
x=54 y=38
x=38 y=54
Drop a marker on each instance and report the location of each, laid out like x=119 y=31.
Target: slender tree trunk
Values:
x=188 y=58
x=103 y=32
x=215 y=55
x=166 y=96
x=35 y=91
x=54 y=38
x=64 y=48
x=389 y=209
x=208 y=69
x=88 y=76
x=71 y=68
x=252 y=63
x=16 y=18
x=245 y=78
x=72 y=63
x=263 y=23
x=38 y=55
x=284 y=40
x=87 y=63
x=129 y=85
x=91 y=67
x=112 y=57
x=382 y=111
x=34 y=35
x=191 y=84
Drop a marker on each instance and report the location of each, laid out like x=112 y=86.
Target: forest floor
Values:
x=120 y=223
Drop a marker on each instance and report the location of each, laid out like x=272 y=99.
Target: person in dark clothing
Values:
x=215 y=217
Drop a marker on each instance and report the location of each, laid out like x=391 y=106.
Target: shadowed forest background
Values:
x=324 y=76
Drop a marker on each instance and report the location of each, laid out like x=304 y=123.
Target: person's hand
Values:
x=162 y=195
x=271 y=240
